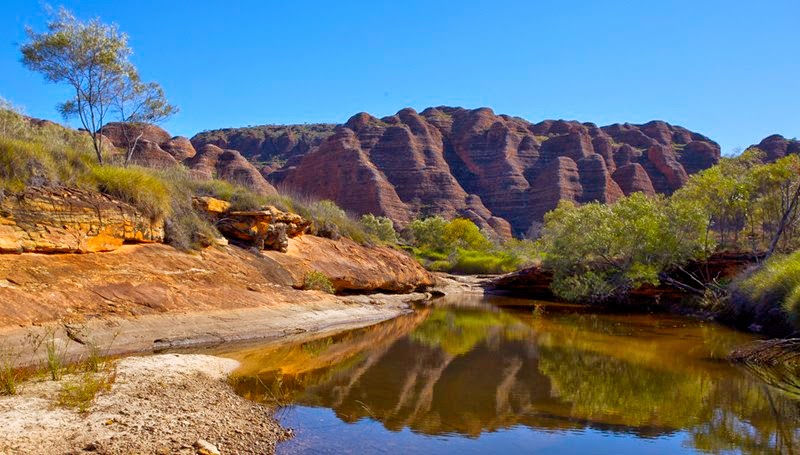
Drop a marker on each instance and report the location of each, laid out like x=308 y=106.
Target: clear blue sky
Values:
x=728 y=69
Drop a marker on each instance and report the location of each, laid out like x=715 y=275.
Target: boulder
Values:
x=351 y=267
x=150 y=154
x=777 y=146
x=179 y=147
x=265 y=229
x=122 y=135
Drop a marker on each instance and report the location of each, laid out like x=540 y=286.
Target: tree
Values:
x=139 y=103
x=599 y=251
x=381 y=227
x=429 y=233
x=463 y=233
x=93 y=59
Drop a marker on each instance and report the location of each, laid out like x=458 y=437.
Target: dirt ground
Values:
x=166 y=403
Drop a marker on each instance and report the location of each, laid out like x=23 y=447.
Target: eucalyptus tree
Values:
x=93 y=58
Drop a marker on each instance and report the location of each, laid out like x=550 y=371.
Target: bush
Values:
x=80 y=392
x=777 y=282
x=598 y=251
x=380 y=227
x=24 y=163
x=478 y=262
x=429 y=233
x=459 y=246
x=318 y=281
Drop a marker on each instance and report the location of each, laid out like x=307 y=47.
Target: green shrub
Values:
x=778 y=281
x=379 y=227
x=429 y=234
x=318 y=281
x=10 y=377
x=598 y=251
x=477 y=262
x=459 y=246
x=441 y=265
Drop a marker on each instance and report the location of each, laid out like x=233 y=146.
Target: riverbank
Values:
x=151 y=298
x=146 y=298
x=157 y=404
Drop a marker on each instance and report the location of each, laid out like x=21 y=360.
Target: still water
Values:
x=477 y=374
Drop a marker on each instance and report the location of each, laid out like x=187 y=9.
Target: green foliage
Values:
x=744 y=200
x=379 y=227
x=56 y=356
x=92 y=58
x=464 y=234
x=478 y=261
x=10 y=377
x=778 y=282
x=459 y=246
x=598 y=251
x=318 y=281
x=429 y=233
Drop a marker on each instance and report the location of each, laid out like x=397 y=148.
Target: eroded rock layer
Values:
x=502 y=172
x=64 y=220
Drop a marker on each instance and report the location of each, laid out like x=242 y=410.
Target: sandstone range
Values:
x=502 y=172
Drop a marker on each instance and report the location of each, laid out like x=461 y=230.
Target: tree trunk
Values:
x=782 y=224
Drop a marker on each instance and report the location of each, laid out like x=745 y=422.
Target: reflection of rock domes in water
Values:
x=470 y=370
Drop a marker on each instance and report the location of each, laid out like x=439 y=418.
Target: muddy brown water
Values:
x=476 y=374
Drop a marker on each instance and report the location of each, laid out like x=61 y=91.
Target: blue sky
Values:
x=727 y=69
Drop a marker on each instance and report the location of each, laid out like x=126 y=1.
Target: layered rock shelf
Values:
x=68 y=220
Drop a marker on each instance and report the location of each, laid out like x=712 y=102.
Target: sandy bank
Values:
x=157 y=404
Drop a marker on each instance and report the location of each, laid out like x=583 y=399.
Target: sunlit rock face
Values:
x=469 y=370
x=501 y=172
x=68 y=220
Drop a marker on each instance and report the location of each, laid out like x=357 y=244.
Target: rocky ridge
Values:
x=156 y=148
x=502 y=172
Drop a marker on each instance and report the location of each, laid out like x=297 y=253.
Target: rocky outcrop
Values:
x=153 y=146
x=777 y=146
x=62 y=220
x=214 y=162
x=269 y=142
x=502 y=172
x=265 y=229
x=180 y=148
x=351 y=267
x=531 y=282
x=124 y=135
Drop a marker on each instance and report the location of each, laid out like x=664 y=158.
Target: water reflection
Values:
x=466 y=368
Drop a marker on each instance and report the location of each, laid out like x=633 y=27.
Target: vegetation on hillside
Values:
x=36 y=153
x=748 y=205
